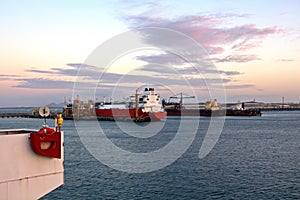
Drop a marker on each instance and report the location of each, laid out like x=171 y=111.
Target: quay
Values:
x=279 y=109
x=85 y=111
x=25 y=115
x=93 y=117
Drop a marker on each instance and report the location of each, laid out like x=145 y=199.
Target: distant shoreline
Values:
x=28 y=107
x=252 y=104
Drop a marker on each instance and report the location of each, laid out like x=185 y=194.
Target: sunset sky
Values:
x=255 y=45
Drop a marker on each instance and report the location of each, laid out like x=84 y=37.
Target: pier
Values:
x=279 y=109
x=69 y=113
x=24 y=115
x=15 y=115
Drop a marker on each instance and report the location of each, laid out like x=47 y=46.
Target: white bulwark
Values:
x=23 y=173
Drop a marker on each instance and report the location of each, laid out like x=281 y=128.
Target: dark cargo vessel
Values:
x=209 y=109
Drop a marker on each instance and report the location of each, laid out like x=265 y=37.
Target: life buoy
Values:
x=44 y=111
x=46 y=142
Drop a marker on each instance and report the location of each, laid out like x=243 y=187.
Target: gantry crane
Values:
x=181 y=96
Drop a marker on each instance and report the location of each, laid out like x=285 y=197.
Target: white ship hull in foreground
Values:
x=23 y=173
x=32 y=162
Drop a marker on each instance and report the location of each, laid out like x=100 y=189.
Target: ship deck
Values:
x=15 y=131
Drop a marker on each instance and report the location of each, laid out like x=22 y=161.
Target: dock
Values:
x=280 y=109
x=88 y=113
x=24 y=115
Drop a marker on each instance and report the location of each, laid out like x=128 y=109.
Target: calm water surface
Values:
x=254 y=158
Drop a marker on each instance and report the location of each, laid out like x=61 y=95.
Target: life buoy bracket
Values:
x=46 y=142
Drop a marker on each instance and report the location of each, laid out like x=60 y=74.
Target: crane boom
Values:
x=181 y=97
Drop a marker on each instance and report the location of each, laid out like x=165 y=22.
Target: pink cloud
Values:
x=210 y=31
x=237 y=58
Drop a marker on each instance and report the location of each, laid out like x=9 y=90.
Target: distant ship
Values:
x=209 y=109
x=32 y=161
x=142 y=107
x=147 y=107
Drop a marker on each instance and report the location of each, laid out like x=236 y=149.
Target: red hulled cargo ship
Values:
x=139 y=107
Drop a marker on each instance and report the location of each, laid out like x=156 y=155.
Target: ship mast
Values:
x=136 y=104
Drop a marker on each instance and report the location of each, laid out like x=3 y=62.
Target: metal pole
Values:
x=136 y=104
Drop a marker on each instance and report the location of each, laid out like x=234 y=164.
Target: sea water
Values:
x=254 y=158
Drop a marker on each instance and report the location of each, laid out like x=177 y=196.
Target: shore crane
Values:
x=181 y=96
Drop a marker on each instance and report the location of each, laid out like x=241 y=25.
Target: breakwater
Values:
x=34 y=113
x=24 y=115
x=279 y=109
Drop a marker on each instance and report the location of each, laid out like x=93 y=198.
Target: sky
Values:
x=244 y=49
